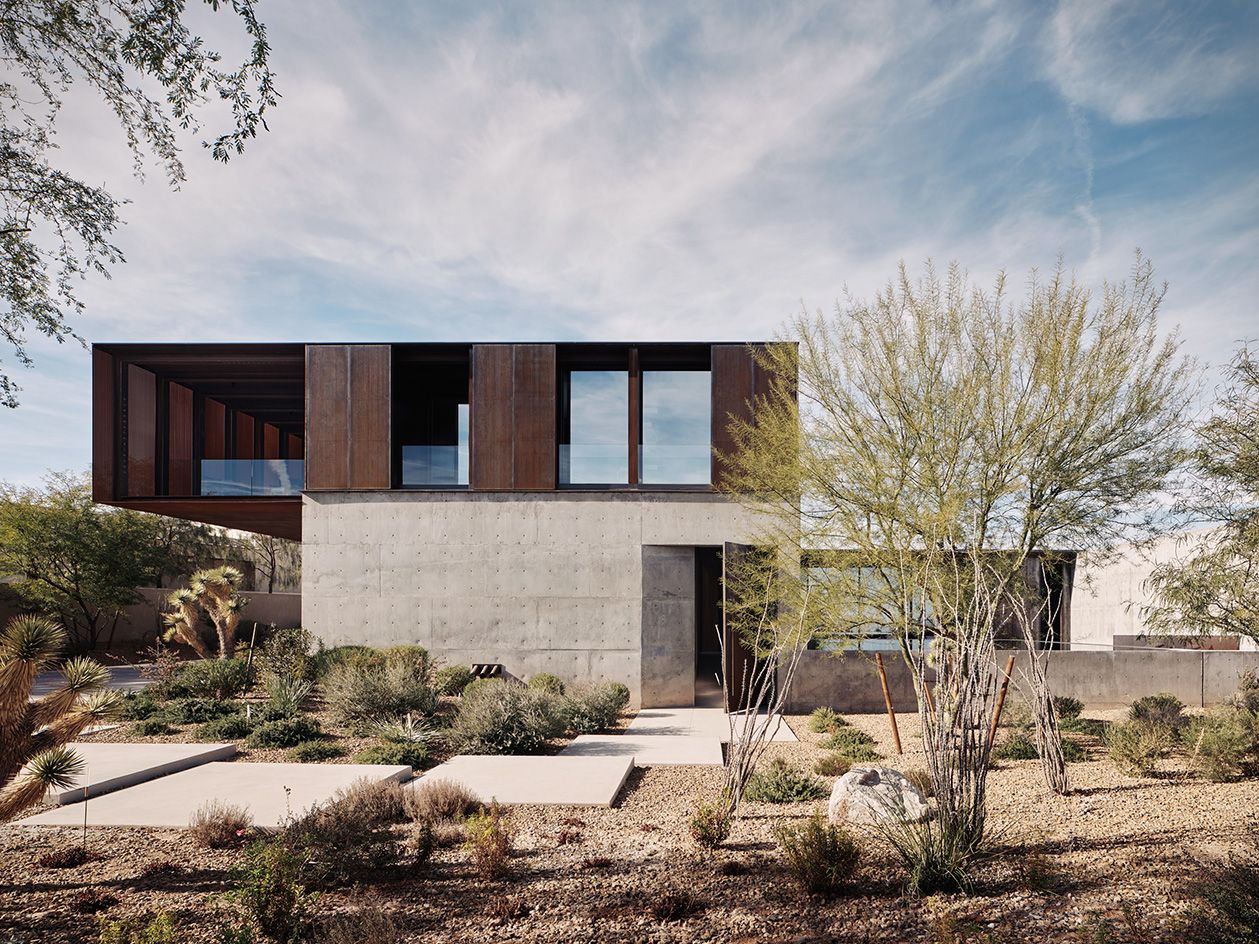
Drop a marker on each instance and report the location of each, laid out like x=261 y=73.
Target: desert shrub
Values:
x=197 y=710
x=1017 y=746
x=452 y=679
x=286 y=651
x=1067 y=707
x=846 y=737
x=832 y=765
x=312 y=752
x=821 y=857
x=414 y=756
x=68 y=857
x=269 y=890
x=1135 y=747
x=350 y=837
x=675 y=905
x=285 y=732
x=921 y=779
x=596 y=708
x=489 y=842
x=498 y=717
x=218 y=679
x=286 y=695
x=219 y=825
x=158 y=929
x=361 y=695
x=825 y=720
x=433 y=801
x=1162 y=710
x=1090 y=726
x=228 y=728
x=710 y=824
x=939 y=855
x=1073 y=752
x=139 y=706
x=1247 y=695
x=327 y=661
x=547 y=682
x=369 y=924
x=782 y=783
x=152 y=727
x=1223 y=745
x=1017 y=714
x=1228 y=896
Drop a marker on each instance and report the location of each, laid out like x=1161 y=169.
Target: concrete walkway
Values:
x=649 y=750
x=114 y=766
x=541 y=781
x=702 y=722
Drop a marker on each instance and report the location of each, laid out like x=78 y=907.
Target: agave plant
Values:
x=408 y=730
x=34 y=735
x=214 y=593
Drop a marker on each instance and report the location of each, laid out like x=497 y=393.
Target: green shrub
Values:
x=197 y=710
x=547 y=682
x=218 y=679
x=852 y=743
x=328 y=660
x=939 y=855
x=821 y=857
x=1017 y=746
x=138 y=706
x=452 y=679
x=710 y=824
x=1067 y=707
x=596 y=708
x=489 y=841
x=1090 y=726
x=270 y=891
x=832 y=765
x=1073 y=752
x=1223 y=745
x=1162 y=710
x=781 y=783
x=229 y=728
x=312 y=752
x=286 y=651
x=286 y=732
x=825 y=720
x=159 y=929
x=152 y=727
x=1247 y=695
x=498 y=717
x=286 y=696
x=414 y=756
x=1135 y=747
x=361 y=695
x=346 y=840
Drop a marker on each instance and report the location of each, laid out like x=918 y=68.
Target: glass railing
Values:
x=252 y=476
x=435 y=466
x=675 y=464
x=594 y=464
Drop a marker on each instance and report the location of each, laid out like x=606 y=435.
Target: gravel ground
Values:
x=1110 y=862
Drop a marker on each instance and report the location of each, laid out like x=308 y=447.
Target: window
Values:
x=676 y=446
x=594 y=442
x=431 y=421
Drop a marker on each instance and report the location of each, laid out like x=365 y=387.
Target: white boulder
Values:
x=868 y=794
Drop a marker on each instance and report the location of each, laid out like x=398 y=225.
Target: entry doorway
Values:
x=708 y=623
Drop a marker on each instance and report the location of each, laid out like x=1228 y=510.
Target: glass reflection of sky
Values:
x=677 y=425
x=597 y=452
x=439 y=464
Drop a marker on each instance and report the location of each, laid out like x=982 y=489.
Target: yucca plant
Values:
x=34 y=735
x=213 y=592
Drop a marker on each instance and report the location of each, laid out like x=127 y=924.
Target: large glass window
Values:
x=594 y=442
x=431 y=422
x=676 y=444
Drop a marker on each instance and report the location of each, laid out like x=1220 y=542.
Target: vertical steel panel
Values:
x=733 y=378
x=245 y=438
x=293 y=447
x=104 y=427
x=491 y=409
x=141 y=413
x=179 y=440
x=369 y=415
x=270 y=441
x=635 y=414
x=215 y=430
x=533 y=416
x=327 y=416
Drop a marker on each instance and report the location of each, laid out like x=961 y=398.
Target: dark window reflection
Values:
x=677 y=426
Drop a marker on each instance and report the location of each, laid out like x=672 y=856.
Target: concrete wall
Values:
x=849 y=681
x=668 y=641
x=538 y=582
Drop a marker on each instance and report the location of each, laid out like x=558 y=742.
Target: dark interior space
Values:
x=430 y=417
x=708 y=627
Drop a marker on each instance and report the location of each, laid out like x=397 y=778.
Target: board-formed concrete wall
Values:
x=538 y=582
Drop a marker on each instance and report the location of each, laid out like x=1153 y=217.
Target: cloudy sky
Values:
x=669 y=170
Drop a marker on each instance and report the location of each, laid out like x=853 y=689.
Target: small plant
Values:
x=821 y=857
x=489 y=841
x=361 y=695
x=1223 y=745
x=675 y=906
x=710 y=824
x=1090 y=726
x=414 y=756
x=67 y=858
x=497 y=717
x=1037 y=873
x=1073 y=752
x=832 y=765
x=921 y=779
x=159 y=929
x=216 y=679
x=826 y=721
x=312 y=752
x=433 y=801
x=286 y=651
x=138 y=706
x=852 y=743
x=229 y=728
x=1246 y=698
x=567 y=837
x=220 y=825
x=1017 y=746
x=196 y=710
x=410 y=730
x=287 y=695
x=284 y=733
x=452 y=679
x=782 y=783
x=938 y=855
x=511 y=908
x=547 y=682
x=597 y=862
x=1163 y=710
x=351 y=837
x=152 y=727
x=93 y=901
x=270 y=892
x=1067 y=707
x=1135 y=747
x=596 y=708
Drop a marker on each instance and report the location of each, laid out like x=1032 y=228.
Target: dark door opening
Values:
x=708 y=623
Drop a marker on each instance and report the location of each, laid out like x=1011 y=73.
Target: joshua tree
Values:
x=34 y=735
x=214 y=592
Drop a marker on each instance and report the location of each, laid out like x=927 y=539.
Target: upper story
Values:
x=232 y=434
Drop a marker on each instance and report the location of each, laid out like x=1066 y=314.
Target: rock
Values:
x=868 y=794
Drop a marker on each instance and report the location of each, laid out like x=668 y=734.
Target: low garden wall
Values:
x=849 y=681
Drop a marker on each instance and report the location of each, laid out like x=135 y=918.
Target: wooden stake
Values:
x=887 y=698
x=931 y=705
x=996 y=715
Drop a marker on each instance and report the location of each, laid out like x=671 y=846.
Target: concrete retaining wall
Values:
x=849 y=681
x=538 y=582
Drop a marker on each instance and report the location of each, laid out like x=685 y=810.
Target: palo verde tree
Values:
x=1214 y=589
x=143 y=60
x=937 y=438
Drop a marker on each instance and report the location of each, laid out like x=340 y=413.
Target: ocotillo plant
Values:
x=213 y=592
x=34 y=735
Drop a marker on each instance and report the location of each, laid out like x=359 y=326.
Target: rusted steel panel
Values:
x=491 y=409
x=327 y=416
x=141 y=431
x=294 y=447
x=104 y=426
x=179 y=440
x=733 y=374
x=281 y=517
x=270 y=441
x=369 y=415
x=534 y=416
x=245 y=437
x=215 y=446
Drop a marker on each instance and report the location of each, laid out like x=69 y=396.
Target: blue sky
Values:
x=598 y=170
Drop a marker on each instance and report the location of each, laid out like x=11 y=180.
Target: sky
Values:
x=591 y=170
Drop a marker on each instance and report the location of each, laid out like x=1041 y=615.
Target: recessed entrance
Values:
x=708 y=627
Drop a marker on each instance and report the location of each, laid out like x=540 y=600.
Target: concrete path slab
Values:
x=703 y=722
x=648 y=750
x=114 y=766
x=536 y=781
x=123 y=678
x=271 y=792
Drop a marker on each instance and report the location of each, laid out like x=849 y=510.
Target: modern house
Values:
x=544 y=506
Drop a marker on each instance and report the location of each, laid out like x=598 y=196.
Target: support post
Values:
x=887 y=700
x=996 y=715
